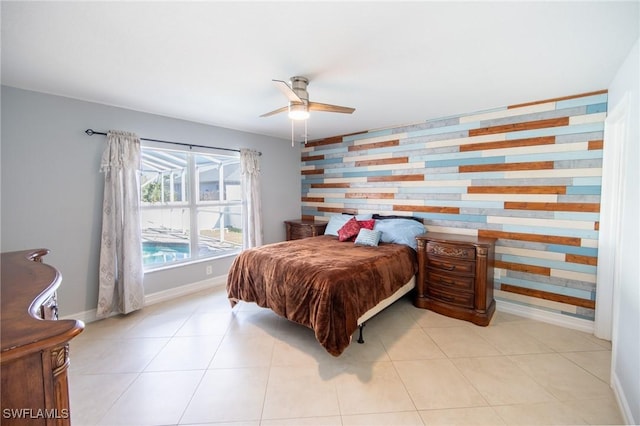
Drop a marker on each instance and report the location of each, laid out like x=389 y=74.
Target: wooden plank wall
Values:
x=528 y=175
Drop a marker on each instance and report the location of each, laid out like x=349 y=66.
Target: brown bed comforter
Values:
x=320 y=282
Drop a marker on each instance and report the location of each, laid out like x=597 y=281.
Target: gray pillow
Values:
x=368 y=237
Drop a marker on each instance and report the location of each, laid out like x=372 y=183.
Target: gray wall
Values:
x=52 y=188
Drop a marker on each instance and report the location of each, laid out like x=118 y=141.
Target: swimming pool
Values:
x=156 y=252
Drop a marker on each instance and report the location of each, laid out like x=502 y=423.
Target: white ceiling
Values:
x=395 y=62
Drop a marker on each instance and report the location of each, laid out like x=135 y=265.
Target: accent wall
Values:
x=528 y=175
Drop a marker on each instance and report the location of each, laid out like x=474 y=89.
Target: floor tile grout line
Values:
x=583 y=368
x=468 y=380
x=404 y=385
x=115 y=401
x=195 y=390
x=266 y=386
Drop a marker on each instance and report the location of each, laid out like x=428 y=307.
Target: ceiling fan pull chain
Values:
x=292 y=121
x=306 y=134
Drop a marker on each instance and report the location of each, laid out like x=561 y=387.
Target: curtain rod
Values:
x=92 y=132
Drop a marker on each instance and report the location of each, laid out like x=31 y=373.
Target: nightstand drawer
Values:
x=451 y=265
x=451 y=250
x=450 y=282
x=461 y=299
x=297 y=229
x=298 y=232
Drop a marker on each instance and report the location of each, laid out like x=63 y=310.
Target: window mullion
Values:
x=221 y=198
x=172 y=197
x=183 y=187
x=193 y=204
x=162 y=197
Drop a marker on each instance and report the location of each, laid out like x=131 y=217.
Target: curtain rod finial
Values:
x=89 y=132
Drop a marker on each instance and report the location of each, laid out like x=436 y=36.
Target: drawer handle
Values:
x=449 y=267
x=443 y=281
x=447 y=298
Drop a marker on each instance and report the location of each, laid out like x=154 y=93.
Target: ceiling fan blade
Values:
x=316 y=106
x=275 y=111
x=288 y=91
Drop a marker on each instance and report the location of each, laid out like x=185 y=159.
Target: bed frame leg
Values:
x=360 y=339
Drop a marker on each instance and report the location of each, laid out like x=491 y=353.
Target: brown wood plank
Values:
x=395 y=178
x=313 y=199
x=569 y=300
x=308 y=217
x=326 y=141
x=427 y=209
x=331 y=185
x=312 y=172
x=596 y=226
x=520 y=236
x=382 y=161
x=584 y=260
x=555 y=207
x=563 y=98
x=385 y=195
x=337 y=210
x=531 y=269
x=312 y=157
x=595 y=145
x=545 y=140
x=332 y=140
x=514 y=127
x=517 y=190
x=374 y=145
x=505 y=167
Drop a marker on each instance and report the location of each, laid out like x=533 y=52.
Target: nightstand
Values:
x=455 y=276
x=297 y=229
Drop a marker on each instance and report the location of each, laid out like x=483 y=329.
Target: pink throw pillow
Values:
x=367 y=224
x=349 y=230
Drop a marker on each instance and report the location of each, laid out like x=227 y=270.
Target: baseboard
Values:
x=623 y=402
x=84 y=316
x=159 y=296
x=184 y=290
x=545 y=316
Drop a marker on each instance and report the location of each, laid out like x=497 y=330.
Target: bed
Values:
x=329 y=285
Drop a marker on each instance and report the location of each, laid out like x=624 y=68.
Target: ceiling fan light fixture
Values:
x=298 y=111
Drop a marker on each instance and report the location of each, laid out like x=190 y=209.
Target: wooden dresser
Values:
x=35 y=345
x=455 y=276
x=297 y=229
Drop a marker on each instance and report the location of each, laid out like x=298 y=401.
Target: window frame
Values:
x=193 y=203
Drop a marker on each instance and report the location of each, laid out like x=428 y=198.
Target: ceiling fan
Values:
x=299 y=105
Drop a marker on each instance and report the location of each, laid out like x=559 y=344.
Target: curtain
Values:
x=121 y=273
x=251 y=206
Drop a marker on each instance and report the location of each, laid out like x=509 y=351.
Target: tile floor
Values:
x=195 y=361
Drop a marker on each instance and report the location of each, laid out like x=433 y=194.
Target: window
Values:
x=190 y=206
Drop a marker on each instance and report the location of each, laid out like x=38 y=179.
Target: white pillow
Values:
x=336 y=222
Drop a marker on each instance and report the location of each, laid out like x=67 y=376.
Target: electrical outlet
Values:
x=209 y=269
